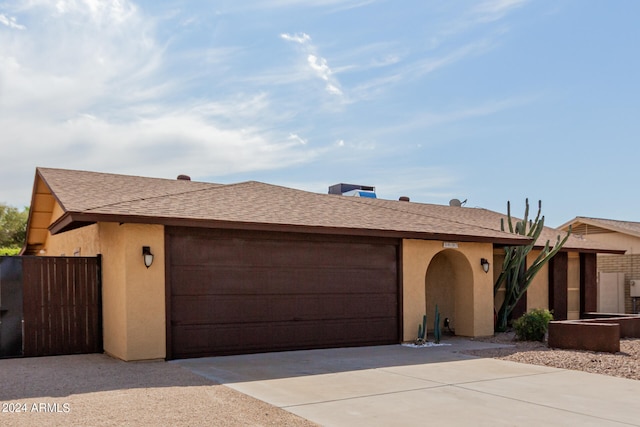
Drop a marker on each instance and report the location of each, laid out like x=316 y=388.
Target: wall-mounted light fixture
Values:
x=485 y=264
x=147 y=256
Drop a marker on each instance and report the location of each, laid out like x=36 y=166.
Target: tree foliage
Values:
x=516 y=276
x=13 y=227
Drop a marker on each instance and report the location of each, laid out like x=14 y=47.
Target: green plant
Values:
x=516 y=276
x=9 y=251
x=436 y=326
x=533 y=326
x=422 y=331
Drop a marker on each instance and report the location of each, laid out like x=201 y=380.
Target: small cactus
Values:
x=422 y=330
x=436 y=326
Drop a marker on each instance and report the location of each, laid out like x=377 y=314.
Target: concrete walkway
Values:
x=397 y=385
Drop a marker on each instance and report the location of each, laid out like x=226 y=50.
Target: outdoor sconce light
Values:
x=147 y=256
x=485 y=264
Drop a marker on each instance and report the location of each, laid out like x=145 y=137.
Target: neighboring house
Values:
x=253 y=267
x=625 y=235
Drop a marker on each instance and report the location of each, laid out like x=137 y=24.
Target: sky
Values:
x=487 y=101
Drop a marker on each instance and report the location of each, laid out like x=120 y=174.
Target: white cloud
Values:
x=301 y=38
x=423 y=120
x=320 y=66
x=89 y=87
x=101 y=85
x=98 y=11
x=11 y=22
x=77 y=55
x=333 y=89
x=150 y=146
x=493 y=10
x=411 y=71
x=471 y=49
x=334 y=5
x=297 y=138
x=317 y=64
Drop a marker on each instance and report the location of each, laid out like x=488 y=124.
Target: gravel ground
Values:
x=97 y=390
x=624 y=364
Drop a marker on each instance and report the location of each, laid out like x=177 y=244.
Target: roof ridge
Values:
x=215 y=187
x=42 y=171
x=123 y=175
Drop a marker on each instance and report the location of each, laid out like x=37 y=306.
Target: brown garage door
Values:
x=232 y=292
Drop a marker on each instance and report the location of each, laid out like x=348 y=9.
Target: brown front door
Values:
x=234 y=292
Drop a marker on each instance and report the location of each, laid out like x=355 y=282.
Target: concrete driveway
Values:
x=397 y=385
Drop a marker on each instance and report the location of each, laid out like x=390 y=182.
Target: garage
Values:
x=235 y=292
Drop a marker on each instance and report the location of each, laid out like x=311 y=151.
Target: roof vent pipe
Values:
x=184 y=178
x=404 y=199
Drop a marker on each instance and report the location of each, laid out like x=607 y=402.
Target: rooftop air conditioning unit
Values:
x=353 y=190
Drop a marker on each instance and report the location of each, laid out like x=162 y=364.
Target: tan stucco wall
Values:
x=538 y=292
x=145 y=292
x=57 y=212
x=617 y=240
x=114 y=298
x=133 y=297
x=470 y=289
x=80 y=242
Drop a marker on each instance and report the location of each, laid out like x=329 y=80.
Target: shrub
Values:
x=533 y=326
x=9 y=251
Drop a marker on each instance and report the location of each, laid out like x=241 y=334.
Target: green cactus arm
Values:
x=539 y=212
x=526 y=213
x=509 y=217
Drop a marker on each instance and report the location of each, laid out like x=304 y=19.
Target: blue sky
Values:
x=487 y=101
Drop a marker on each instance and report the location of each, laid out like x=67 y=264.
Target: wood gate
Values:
x=61 y=305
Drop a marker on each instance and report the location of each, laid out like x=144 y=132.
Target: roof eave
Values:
x=72 y=220
x=597 y=251
x=27 y=248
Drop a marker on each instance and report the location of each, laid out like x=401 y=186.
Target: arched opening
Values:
x=449 y=284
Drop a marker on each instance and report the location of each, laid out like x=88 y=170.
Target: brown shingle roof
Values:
x=88 y=197
x=490 y=219
x=79 y=191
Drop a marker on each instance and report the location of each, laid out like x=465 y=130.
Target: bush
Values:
x=9 y=251
x=533 y=326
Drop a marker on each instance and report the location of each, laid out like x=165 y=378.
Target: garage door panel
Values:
x=233 y=292
x=274 y=253
x=229 y=309
x=278 y=336
x=251 y=280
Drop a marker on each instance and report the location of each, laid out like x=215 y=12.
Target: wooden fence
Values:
x=61 y=305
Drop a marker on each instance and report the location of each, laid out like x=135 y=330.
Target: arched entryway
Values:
x=449 y=284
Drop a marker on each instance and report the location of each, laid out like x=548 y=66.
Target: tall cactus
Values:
x=515 y=276
x=436 y=327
